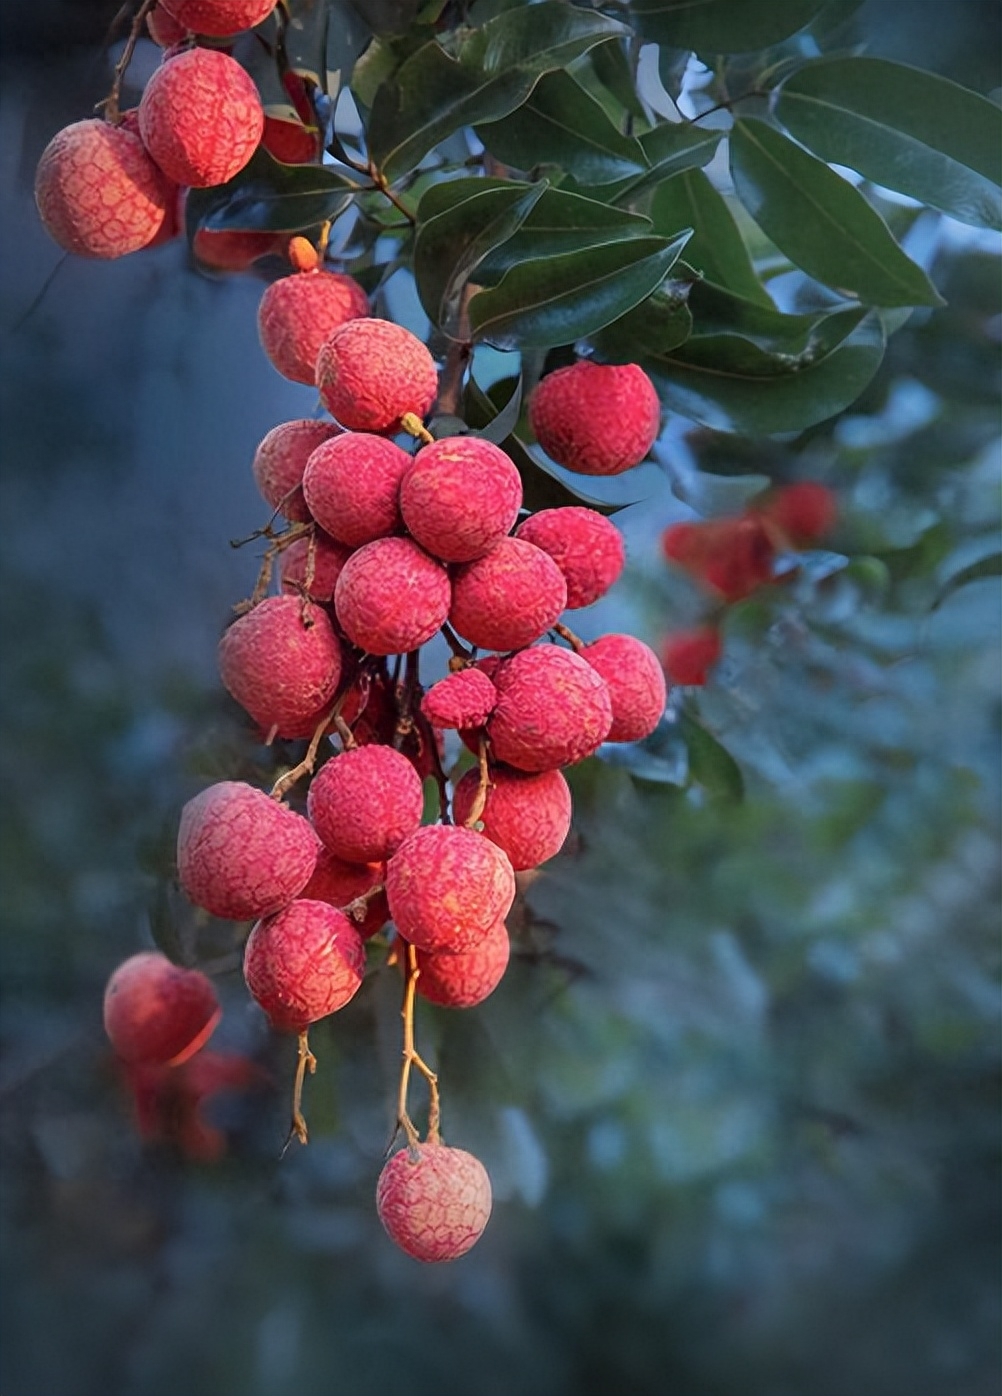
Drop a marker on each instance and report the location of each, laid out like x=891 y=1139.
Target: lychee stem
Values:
x=306 y=1061
x=412 y=1058
x=569 y=636
x=348 y=741
x=279 y=542
x=438 y=774
x=406 y=695
x=412 y=424
x=477 y=808
x=382 y=184
x=356 y=909
x=459 y=650
x=110 y=104
x=305 y=767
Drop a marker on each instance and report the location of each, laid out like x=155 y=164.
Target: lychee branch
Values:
x=305 y=767
x=110 y=104
x=306 y=1061
x=412 y=1058
x=455 y=644
x=575 y=643
x=480 y=800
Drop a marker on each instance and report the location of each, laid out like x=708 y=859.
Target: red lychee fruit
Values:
x=433 y=1201
x=460 y=497
x=365 y=802
x=291 y=142
x=232 y=251
x=446 y=887
x=98 y=192
x=466 y=977
x=352 y=487
x=241 y=854
x=553 y=709
x=371 y=373
x=220 y=17
x=339 y=883
x=689 y=655
x=169 y=1102
x=391 y=596
x=464 y=699
x=201 y=118
x=731 y=557
x=156 y=1013
x=163 y=28
x=280 y=461
x=304 y=963
x=586 y=547
x=329 y=557
x=804 y=512
x=298 y=314
x=527 y=816
x=282 y=662
x=636 y=684
x=596 y=419
x=508 y=599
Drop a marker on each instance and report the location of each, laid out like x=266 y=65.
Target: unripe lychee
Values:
x=241 y=854
x=466 y=977
x=636 y=684
x=596 y=419
x=508 y=599
x=352 y=487
x=220 y=17
x=804 y=512
x=299 y=312
x=460 y=496
x=304 y=963
x=433 y=1201
x=461 y=700
x=282 y=662
x=586 y=547
x=163 y=28
x=201 y=118
x=339 y=883
x=223 y=250
x=689 y=655
x=365 y=802
x=98 y=192
x=280 y=461
x=527 y=816
x=391 y=596
x=329 y=557
x=156 y=1013
x=371 y=373
x=553 y=709
x=446 y=887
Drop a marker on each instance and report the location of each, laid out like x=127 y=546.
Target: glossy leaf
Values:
x=820 y=221
x=267 y=196
x=670 y=149
x=759 y=342
x=611 y=65
x=560 y=223
x=347 y=36
x=710 y=764
x=716 y=247
x=305 y=39
x=656 y=326
x=722 y=26
x=984 y=569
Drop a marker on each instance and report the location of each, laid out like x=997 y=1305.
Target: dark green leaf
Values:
x=388 y=16
x=710 y=764
x=722 y=26
x=305 y=39
x=347 y=36
x=563 y=222
x=820 y=221
x=984 y=568
x=911 y=131
x=267 y=196
x=669 y=149
x=506 y=420
x=611 y=65
x=672 y=63
x=716 y=247
x=656 y=326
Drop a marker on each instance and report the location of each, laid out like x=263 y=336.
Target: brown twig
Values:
x=110 y=104
x=306 y=1061
x=412 y=1058
x=477 y=808
x=568 y=635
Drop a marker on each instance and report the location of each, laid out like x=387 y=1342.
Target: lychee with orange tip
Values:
x=352 y=487
x=527 y=815
x=391 y=597
x=636 y=684
x=201 y=118
x=280 y=462
x=687 y=656
x=466 y=977
x=460 y=497
x=219 y=18
x=596 y=419
x=447 y=886
x=553 y=709
x=461 y=700
x=298 y=313
x=434 y=1201
x=241 y=854
x=509 y=598
x=303 y=963
x=282 y=662
x=365 y=802
x=328 y=559
x=586 y=547
x=339 y=884
x=156 y=1013
x=373 y=373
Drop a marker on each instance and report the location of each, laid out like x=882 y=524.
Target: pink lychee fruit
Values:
x=434 y=1201
x=280 y=461
x=156 y=1013
x=371 y=373
x=586 y=547
x=553 y=709
x=596 y=419
x=527 y=815
x=201 y=118
x=460 y=496
x=636 y=684
x=282 y=662
x=339 y=883
x=508 y=599
x=291 y=142
x=461 y=700
x=163 y=28
x=352 y=487
x=298 y=314
x=303 y=963
x=688 y=655
x=391 y=597
x=329 y=557
x=466 y=977
x=241 y=854
x=219 y=17
x=222 y=250
x=365 y=802
x=98 y=192
x=446 y=887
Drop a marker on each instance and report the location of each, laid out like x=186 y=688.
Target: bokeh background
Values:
x=739 y=1091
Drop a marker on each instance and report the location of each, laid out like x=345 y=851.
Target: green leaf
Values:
x=670 y=149
x=347 y=36
x=305 y=39
x=906 y=130
x=560 y=223
x=557 y=300
x=716 y=247
x=267 y=196
x=977 y=571
x=711 y=765
x=502 y=426
x=722 y=26
x=820 y=221
x=758 y=342
x=388 y=16
x=433 y=94
x=611 y=65
x=656 y=326
x=561 y=125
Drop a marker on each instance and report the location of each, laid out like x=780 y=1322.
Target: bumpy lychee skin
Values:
x=98 y=192
x=527 y=816
x=365 y=802
x=462 y=700
x=553 y=709
x=391 y=597
x=303 y=963
x=282 y=662
x=434 y=1201
x=596 y=419
x=509 y=598
x=241 y=854
x=156 y=1013
x=299 y=313
x=688 y=656
x=280 y=462
x=447 y=886
x=220 y=17
x=201 y=118
x=371 y=373
x=467 y=977
x=586 y=547
x=163 y=28
x=460 y=496
x=352 y=487
x=339 y=883
x=329 y=557
x=636 y=685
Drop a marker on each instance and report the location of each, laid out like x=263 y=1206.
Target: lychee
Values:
x=163 y=28
x=156 y=1013
x=291 y=142
x=461 y=700
x=329 y=557
x=527 y=815
x=219 y=17
x=596 y=419
x=223 y=250
x=282 y=662
x=365 y=802
x=339 y=883
x=466 y=977
x=280 y=460
x=586 y=547
x=460 y=496
x=804 y=512
x=391 y=596
x=447 y=886
x=201 y=118
x=688 y=655
x=352 y=487
x=304 y=963
x=371 y=373
x=636 y=684
x=298 y=313
x=732 y=557
x=434 y=1201
x=553 y=709
x=508 y=599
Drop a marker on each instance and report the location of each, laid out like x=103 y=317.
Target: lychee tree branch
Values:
x=110 y=104
x=306 y=1061
x=412 y=1058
